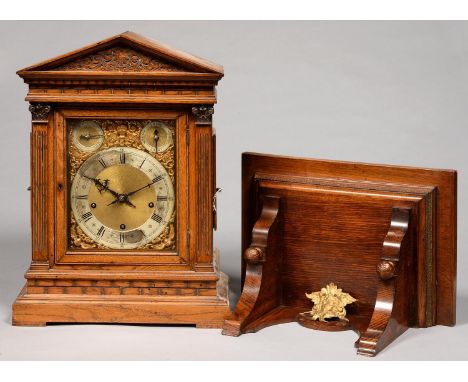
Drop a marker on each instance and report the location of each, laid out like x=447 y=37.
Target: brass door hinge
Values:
x=187 y=134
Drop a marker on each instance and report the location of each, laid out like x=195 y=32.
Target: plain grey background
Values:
x=382 y=92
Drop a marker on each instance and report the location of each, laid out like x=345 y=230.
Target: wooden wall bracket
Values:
x=390 y=317
x=381 y=233
x=259 y=303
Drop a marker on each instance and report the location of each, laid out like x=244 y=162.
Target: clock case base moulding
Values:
x=121 y=77
x=57 y=299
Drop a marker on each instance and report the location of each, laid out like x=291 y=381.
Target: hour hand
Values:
x=102 y=186
x=130 y=203
x=113 y=202
x=122 y=198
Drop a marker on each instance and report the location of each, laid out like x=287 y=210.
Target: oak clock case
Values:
x=123 y=184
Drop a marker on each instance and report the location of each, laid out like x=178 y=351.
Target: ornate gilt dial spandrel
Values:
x=122 y=193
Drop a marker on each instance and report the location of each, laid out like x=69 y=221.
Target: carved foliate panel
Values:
x=39 y=112
x=120 y=59
x=203 y=114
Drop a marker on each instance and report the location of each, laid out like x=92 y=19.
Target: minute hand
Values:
x=141 y=188
x=157 y=179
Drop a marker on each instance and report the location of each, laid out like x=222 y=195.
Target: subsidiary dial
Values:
x=87 y=136
x=156 y=136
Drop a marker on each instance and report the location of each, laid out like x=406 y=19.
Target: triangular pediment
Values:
x=120 y=59
x=126 y=53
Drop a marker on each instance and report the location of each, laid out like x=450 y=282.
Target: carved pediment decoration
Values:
x=119 y=59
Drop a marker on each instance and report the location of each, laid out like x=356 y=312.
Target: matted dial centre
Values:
x=122 y=179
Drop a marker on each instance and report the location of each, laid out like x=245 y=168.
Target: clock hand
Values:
x=141 y=188
x=122 y=198
x=157 y=179
x=102 y=186
x=156 y=139
x=91 y=136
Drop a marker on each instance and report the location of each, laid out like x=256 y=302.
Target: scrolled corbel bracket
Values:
x=39 y=112
x=203 y=114
x=261 y=292
x=390 y=317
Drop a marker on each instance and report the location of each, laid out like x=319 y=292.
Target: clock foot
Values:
x=28 y=323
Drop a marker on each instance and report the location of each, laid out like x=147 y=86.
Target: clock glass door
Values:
x=122 y=184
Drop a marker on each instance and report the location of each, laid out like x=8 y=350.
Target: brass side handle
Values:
x=215 y=207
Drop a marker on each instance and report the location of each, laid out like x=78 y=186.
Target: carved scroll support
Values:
x=390 y=317
x=261 y=296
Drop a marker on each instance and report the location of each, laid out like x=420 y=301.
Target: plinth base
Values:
x=39 y=310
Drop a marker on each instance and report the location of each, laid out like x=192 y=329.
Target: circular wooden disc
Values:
x=330 y=326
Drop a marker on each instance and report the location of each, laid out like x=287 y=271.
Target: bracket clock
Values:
x=123 y=188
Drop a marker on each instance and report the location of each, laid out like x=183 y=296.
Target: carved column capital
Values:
x=203 y=114
x=39 y=112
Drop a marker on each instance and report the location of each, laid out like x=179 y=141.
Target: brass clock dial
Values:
x=156 y=137
x=87 y=136
x=122 y=198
